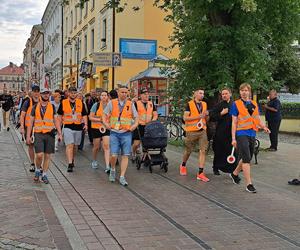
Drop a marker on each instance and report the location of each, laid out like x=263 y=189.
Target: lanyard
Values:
x=43 y=111
x=199 y=109
x=73 y=106
x=121 y=107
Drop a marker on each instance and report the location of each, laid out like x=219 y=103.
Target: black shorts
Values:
x=245 y=146
x=44 y=143
x=136 y=135
x=97 y=134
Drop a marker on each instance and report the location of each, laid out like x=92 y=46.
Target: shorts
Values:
x=245 y=147
x=120 y=143
x=136 y=136
x=72 y=136
x=193 y=138
x=97 y=134
x=44 y=143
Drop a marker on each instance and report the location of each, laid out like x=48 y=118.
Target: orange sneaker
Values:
x=202 y=177
x=182 y=170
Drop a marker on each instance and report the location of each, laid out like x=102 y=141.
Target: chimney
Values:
x=11 y=64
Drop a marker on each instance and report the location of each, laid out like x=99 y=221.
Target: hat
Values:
x=43 y=90
x=35 y=88
x=144 y=90
x=73 y=89
x=113 y=94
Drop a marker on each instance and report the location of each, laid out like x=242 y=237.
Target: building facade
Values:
x=138 y=35
x=52 y=26
x=12 y=78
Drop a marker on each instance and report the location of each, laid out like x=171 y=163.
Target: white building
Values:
x=51 y=22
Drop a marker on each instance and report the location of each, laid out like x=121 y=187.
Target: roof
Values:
x=150 y=73
x=12 y=69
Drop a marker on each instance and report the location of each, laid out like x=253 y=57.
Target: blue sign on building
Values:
x=138 y=48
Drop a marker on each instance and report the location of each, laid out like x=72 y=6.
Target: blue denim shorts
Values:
x=120 y=143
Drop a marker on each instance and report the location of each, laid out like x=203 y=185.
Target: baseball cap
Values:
x=44 y=90
x=144 y=90
x=35 y=88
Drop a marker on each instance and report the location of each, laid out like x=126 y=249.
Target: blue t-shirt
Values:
x=234 y=111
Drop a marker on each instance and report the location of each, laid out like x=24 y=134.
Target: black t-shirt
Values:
x=8 y=102
x=72 y=126
x=26 y=104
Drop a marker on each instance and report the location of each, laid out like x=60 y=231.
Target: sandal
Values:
x=295 y=182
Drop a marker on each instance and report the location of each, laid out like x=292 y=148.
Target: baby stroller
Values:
x=154 y=145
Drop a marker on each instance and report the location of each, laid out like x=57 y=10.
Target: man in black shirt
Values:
x=7 y=103
x=273 y=117
x=71 y=113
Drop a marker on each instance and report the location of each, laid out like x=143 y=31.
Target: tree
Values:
x=225 y=43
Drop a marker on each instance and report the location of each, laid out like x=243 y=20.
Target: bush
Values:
x=289 y=110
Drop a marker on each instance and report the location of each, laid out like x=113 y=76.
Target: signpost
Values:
x=107 y=59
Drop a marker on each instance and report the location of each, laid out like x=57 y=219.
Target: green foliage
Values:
x=227 y=42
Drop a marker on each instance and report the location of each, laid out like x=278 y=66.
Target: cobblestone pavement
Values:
x=158 y=210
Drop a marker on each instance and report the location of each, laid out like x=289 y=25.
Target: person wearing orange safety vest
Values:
x=195 y=130
x=26 y=108
x=123 y=119
x=98 y=131
x=147 y=113
x=245 y=123
x=72 y=114
x=44 y=124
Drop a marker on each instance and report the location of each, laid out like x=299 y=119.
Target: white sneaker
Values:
x=94 y=164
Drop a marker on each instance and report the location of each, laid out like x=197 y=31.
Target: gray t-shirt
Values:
x=108 y=110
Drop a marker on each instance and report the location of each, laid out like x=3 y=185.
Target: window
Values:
x=86 y=9
x=85 y=45
x=75 y=16
x=67 y=26
x=71 y=54
x=80 y=14
x=79 y=49
x=93 y=4
x=71 y=21
x=13 y=85
x=104 y=33
x=92 y=40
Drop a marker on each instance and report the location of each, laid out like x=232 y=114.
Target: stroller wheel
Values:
x=165 y=167
x=138 y=163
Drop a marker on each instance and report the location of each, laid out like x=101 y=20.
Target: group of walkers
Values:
x=117 y=122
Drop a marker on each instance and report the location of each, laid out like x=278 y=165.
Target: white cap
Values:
x=43 y=89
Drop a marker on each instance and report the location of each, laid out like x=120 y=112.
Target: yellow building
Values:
x=90 y=30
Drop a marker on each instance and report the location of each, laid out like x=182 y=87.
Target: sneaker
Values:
x=7 y=129
x=94 y=164
x=202 y=177
x=182 y=170
x=45 y=179
x=107 y=170
x=70 y=168
x=271 y=149
x=235 y=178
x=123 y=181
x=56 y=149
x=37 y=175
x=32 y=168
x=216 y=172
x=250 y=188
x=112 y=175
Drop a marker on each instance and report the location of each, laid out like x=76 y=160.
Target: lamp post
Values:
x=77 y=47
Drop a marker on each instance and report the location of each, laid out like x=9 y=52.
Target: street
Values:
x=82 y=210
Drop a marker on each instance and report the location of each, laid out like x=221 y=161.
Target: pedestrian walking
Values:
x=245 y=122
x=91 y=99
x=56 y=102
x=71 y=113
x=99 y=132
x=195 y=128
x=81 y=145
x=147 y=113
x=123 y=119
x=26 y=109
x=43 y=121
x=273 y=118
x=222 y=139
x=7 y=104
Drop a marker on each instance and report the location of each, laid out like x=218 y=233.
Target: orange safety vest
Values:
x=28 y=113
x=245 y=120
x=145 y=115
x=44 y=124
x=72 y=116
x=125 y=119
x=98 y=114
x=191 y=126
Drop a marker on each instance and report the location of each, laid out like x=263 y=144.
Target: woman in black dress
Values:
x=222 y=140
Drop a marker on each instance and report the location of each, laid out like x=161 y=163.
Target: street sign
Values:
x=107 y=59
